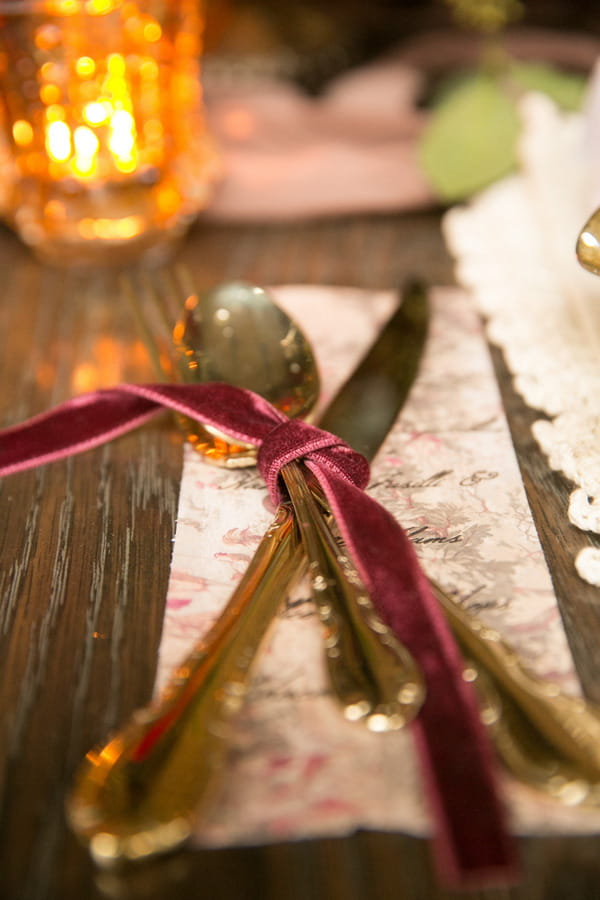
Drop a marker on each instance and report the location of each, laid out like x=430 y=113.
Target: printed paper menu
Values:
x=448 y=472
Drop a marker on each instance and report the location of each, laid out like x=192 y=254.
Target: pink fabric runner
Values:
x=354 y=148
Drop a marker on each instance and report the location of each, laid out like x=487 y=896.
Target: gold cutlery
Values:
x=137 y=796
x=588 y=244
x=371 y=674
x=134 y=803
x=524 y=750
x=237 y=334
x=568 y=726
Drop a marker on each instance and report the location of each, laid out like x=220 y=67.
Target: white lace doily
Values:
x=515 y=251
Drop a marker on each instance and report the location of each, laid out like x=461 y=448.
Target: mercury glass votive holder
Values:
x=106 y=156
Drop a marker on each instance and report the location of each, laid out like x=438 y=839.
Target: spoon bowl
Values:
x=236 y=333
x=588 y=244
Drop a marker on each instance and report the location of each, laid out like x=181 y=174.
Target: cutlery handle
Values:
x=569 y=724
x=374 y=677
x=523 y=748
x=138 y=795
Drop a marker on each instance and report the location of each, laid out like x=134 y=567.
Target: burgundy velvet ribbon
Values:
x=472 y=844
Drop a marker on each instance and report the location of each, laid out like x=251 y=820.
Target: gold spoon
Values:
x=237 y=334
x=374 y=678
x=525 y=750
x=588 y=244
x=568 y=727
x=139 y=795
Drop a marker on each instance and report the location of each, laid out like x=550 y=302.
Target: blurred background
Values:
x=311 y=41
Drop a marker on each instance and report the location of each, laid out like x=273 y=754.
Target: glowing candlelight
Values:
x=104 y=114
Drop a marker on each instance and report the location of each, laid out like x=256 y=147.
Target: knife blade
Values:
x=367 y=406
x=139 y=794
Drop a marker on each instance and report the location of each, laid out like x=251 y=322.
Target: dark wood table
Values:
x=84 y=560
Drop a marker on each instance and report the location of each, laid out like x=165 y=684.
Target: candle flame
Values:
x=97 y=112
x=85 y=67
x=96 y=115
x=152 y=31
x=122 y=228
x=122 y=141
x=58 y=141
x=109 y=133
x=86 y=150
x=22 y=133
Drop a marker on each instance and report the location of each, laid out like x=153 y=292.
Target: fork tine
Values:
x=169 y=295
x=177 y=293
x=144 y=303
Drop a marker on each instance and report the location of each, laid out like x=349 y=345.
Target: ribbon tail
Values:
x=472 y=843
x=92 y=419
x=73 y=427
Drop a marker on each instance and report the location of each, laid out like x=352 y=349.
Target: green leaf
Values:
x=565 y=88
x=471 y=139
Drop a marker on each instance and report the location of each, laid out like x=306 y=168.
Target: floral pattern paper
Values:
x=448 y=472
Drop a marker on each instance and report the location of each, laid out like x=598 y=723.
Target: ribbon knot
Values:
x=294 y=440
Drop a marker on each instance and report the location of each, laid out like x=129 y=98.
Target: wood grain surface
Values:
x=84 y=559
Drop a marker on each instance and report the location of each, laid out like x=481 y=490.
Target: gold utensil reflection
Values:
x=588 y=244
x=546 y=739
x=567 y=727
x=138 y=795
x=236 y=333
